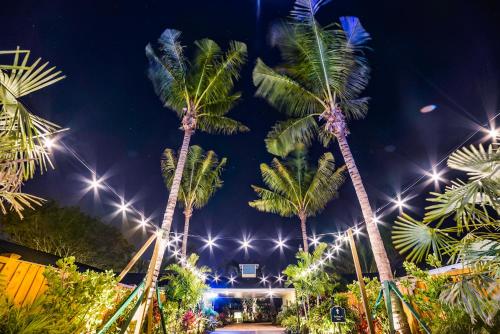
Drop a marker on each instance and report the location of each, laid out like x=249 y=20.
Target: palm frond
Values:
x=284 y=135
x=172 y=54
x=477 y=162
x=284 y=93
x=220 y=124
x=221 y=74
x=170 y=91
x=273 y=202
x=304 y=10
x=356 y=35
x=325 y=184
x=418 y=239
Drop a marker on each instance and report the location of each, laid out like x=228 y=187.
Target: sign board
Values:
x=337 y=314
x=248 y=270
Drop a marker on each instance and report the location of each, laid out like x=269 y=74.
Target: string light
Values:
x=143 y=221
x=123 y=207
x=400 y=202
x=493 y=132
x=231 y=279
x=279 y=279
x=49 y=143
x=263 y=279
x=435 y=176
x=356 y=230
x=280 y=244
x=315 y=240
x=245 y=244
x=216 y=278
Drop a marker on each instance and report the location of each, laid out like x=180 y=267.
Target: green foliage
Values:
x=372 y=287
x=67 y=231
x=201 y=87
x=323 y=68
x=296 y=187
x=473 y=206
x=442 y=316
x=73 y=303
x=78 y=299
x=201 y=177
x=183 y=292
x=23 y=149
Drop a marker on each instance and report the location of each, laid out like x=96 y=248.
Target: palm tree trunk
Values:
x=376 y=242
x=303 y=227
x=161 y=241
x=188 y=212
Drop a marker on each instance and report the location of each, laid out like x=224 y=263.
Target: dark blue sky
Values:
x=427 y=52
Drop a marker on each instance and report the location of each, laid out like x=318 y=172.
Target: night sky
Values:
x=445 y=53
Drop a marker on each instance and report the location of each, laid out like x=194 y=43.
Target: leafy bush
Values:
x=73 y=303
x=441 y=316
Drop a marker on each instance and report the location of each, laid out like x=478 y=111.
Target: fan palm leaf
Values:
x=22 y=134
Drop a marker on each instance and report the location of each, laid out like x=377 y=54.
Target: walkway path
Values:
x=250 y=328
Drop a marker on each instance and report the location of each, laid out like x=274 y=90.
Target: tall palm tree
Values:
x=296 y=188
x=24 y=137
x=201 y=93
x=201 y=180
x=319 y=86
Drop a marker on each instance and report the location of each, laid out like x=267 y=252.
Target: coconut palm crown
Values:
x=295 y=188
x=202 y=178
x=199 y=91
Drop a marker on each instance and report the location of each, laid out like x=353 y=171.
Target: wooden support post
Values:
x=137 y=256
x=361 y=282
x=141 y=312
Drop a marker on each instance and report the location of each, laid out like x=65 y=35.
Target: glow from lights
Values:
x=245 y=244
x=263 y=279
x=49 y=142
x=280 y=244
x=356 y=230
x=315 y=240
x=177 y=238
x=435 y=176
x=400 y=202
x=231 y=279
x=337 y=248
x=176 y=252
x=143 y=221
x=279 y=279
x=270 y=294
x=216 y=278
x=123 y=207
x=494 y=133
x=376 y=219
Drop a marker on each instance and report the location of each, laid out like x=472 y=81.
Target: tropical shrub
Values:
x=462 y=225
x=183 y=294
x=73 y=303
x=440 y=316
x=372 y=287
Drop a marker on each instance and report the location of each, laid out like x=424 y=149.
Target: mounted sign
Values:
x=248 y=270
x=337 y=314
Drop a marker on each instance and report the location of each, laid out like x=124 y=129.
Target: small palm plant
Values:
x=202 y=178
x=474 y=207
x=23 y=135
x=200 y=92
x=295 y=188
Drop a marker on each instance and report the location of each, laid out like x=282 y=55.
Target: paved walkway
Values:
x=250 y=328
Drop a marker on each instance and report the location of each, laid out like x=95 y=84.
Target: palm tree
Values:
x=323 y=74
x=297 y=189
x=202 y=179
x=200 y=92
x=24 y=137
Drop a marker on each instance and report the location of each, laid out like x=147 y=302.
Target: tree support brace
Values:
x=387 y=288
